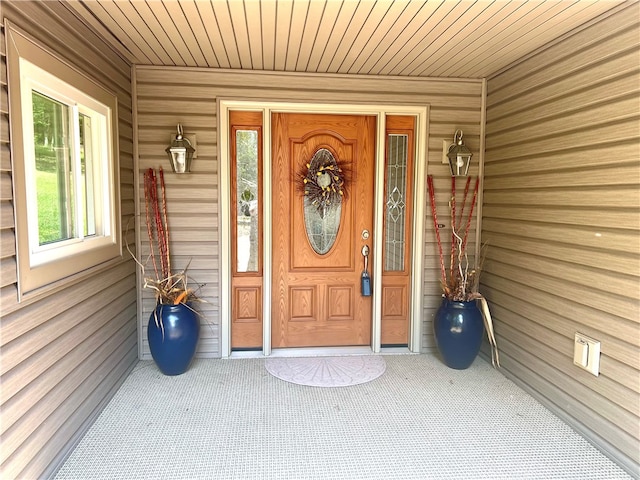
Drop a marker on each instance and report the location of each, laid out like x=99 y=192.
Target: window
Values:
x=248 y=200
x=396 y=201
x=64 y=142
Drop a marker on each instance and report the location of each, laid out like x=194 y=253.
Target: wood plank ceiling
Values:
x=418 y=38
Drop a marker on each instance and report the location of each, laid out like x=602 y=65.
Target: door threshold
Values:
x=306 y=352
x=320 y=352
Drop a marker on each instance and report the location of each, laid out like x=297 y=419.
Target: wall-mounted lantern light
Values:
x=180 y=152
x=459 y=156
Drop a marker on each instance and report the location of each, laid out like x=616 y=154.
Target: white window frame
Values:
x=41 y=268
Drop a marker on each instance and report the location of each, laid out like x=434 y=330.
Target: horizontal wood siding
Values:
x=167 y=96
x=562 y=220
x=63 y=354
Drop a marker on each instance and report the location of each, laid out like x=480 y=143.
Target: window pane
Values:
x=53 y=170
x=86 y=166
x=395 y=212
x=247 y=195
x=322 y=213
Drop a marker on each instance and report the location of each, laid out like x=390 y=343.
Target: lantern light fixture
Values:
x=459 y=156
x=180 y=152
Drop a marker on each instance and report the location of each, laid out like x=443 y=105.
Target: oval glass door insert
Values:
x=323 y=195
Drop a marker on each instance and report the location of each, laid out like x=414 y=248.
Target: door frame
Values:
x=379 y=111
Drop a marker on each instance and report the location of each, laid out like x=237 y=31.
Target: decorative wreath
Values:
x=323 y=181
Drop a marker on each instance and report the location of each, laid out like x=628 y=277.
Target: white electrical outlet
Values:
x=445 y=150
x=586 y=353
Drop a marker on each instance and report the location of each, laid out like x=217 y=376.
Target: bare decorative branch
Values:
x=462 y=282
x=169 y=288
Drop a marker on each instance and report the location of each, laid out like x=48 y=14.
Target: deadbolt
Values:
x=365 y=234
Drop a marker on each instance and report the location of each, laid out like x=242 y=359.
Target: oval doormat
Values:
x=341 y=371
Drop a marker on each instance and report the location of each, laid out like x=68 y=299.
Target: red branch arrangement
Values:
x=170 y=288
x=460 y=282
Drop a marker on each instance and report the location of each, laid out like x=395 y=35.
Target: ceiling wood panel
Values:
x=312 y=27
x=121 y=19
x=360 y=33
x=512 y=30
x=254 y=34
x=223 y=22
x=467 y=47
x=383 y=31
x=117 y=24
x=282 y=20
x=462 y=17
x=413 y=38
x=419 y=38
x=158 y=32
x=199 y=30
x=300 y=11
x=330 y=12
x=405 y=29
x=185 y=25
x=177 y=38
x=469 y=36
x=241 y=24
x=518 y=44
x=213 y=35
x=268 y=35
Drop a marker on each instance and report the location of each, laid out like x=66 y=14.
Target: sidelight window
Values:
x=247 y=196
x=396 y=202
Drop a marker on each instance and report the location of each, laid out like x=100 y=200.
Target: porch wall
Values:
x=167 y=96
x=561 y=218
x=64 y=353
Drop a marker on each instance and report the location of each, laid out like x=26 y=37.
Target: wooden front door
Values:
x=316 y=281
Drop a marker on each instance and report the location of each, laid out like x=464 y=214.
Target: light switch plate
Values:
x=586 y=353
x=581 y=353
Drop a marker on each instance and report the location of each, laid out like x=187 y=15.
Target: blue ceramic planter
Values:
x=458 y=328
x=173 y=342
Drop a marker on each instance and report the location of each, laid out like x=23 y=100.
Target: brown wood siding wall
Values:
x=62 y=354
x=166 y=96
x=561 y=217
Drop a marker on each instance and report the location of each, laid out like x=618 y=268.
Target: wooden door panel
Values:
x=340 y=301
x=303 y=257
x=316 y=298
x=395 y=310
x=303 y=303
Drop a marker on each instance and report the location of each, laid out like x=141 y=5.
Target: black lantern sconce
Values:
x=459 y=156
x=180 y=152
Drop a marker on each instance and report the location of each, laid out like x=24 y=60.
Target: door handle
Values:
x=365 y=254
x=365 y=281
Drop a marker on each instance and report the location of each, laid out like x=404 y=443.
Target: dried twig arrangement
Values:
x=169 y=288
x=460 y=282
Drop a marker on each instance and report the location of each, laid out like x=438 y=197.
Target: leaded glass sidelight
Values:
x=323 y=195
x=395 y=211
x=247 y=198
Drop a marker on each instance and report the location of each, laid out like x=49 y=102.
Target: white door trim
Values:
x=380 y=111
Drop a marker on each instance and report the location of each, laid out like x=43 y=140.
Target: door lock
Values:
x=365 y=234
